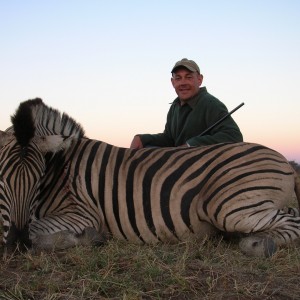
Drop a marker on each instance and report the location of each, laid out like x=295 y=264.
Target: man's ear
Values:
x=200 y=79
x=172 y=81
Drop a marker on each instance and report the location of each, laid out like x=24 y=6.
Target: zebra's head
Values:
x=22 y=166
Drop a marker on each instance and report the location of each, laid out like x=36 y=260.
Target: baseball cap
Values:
x=187 y=63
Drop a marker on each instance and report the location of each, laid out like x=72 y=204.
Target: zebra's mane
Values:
x=34 y=118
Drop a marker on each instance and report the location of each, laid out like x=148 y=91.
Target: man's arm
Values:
x=227 y=132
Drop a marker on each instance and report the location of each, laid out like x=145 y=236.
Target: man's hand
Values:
x=136 y=143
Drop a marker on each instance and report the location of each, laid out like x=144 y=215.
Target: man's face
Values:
x=186 y=83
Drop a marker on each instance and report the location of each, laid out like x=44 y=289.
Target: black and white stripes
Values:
x=147 y=195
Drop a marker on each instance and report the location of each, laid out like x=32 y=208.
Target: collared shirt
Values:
x=186 y=122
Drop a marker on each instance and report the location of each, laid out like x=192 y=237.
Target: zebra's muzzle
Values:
x=18 y=239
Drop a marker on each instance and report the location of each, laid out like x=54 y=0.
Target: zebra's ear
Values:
x=53 y=143
x=5 y=137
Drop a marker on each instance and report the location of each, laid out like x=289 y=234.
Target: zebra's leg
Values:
x=271 y=228
x=292 y=211
x=66 y=239
x=44 y=235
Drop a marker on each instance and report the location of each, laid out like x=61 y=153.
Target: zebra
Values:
x=59 y=189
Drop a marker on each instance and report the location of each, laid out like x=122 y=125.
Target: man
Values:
x=192 y=112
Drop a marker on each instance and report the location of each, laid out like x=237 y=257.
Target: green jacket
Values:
x=185 y=123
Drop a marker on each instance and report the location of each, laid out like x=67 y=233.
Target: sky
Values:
x=107 y=64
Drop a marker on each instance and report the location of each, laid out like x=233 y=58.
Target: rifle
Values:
x=221 y=120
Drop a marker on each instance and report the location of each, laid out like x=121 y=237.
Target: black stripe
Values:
x=129 y=191
x=101 y=181
x=147 y=183
x=115 y=188
x=88 y=172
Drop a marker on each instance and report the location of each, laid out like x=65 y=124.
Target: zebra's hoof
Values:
x=258 y=246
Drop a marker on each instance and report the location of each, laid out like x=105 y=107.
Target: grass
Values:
x=207 y=269
x=210 y=269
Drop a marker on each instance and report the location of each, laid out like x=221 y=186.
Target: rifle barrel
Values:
x=221 y=120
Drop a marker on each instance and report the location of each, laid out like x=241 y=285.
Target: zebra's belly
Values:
x=162 y=233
